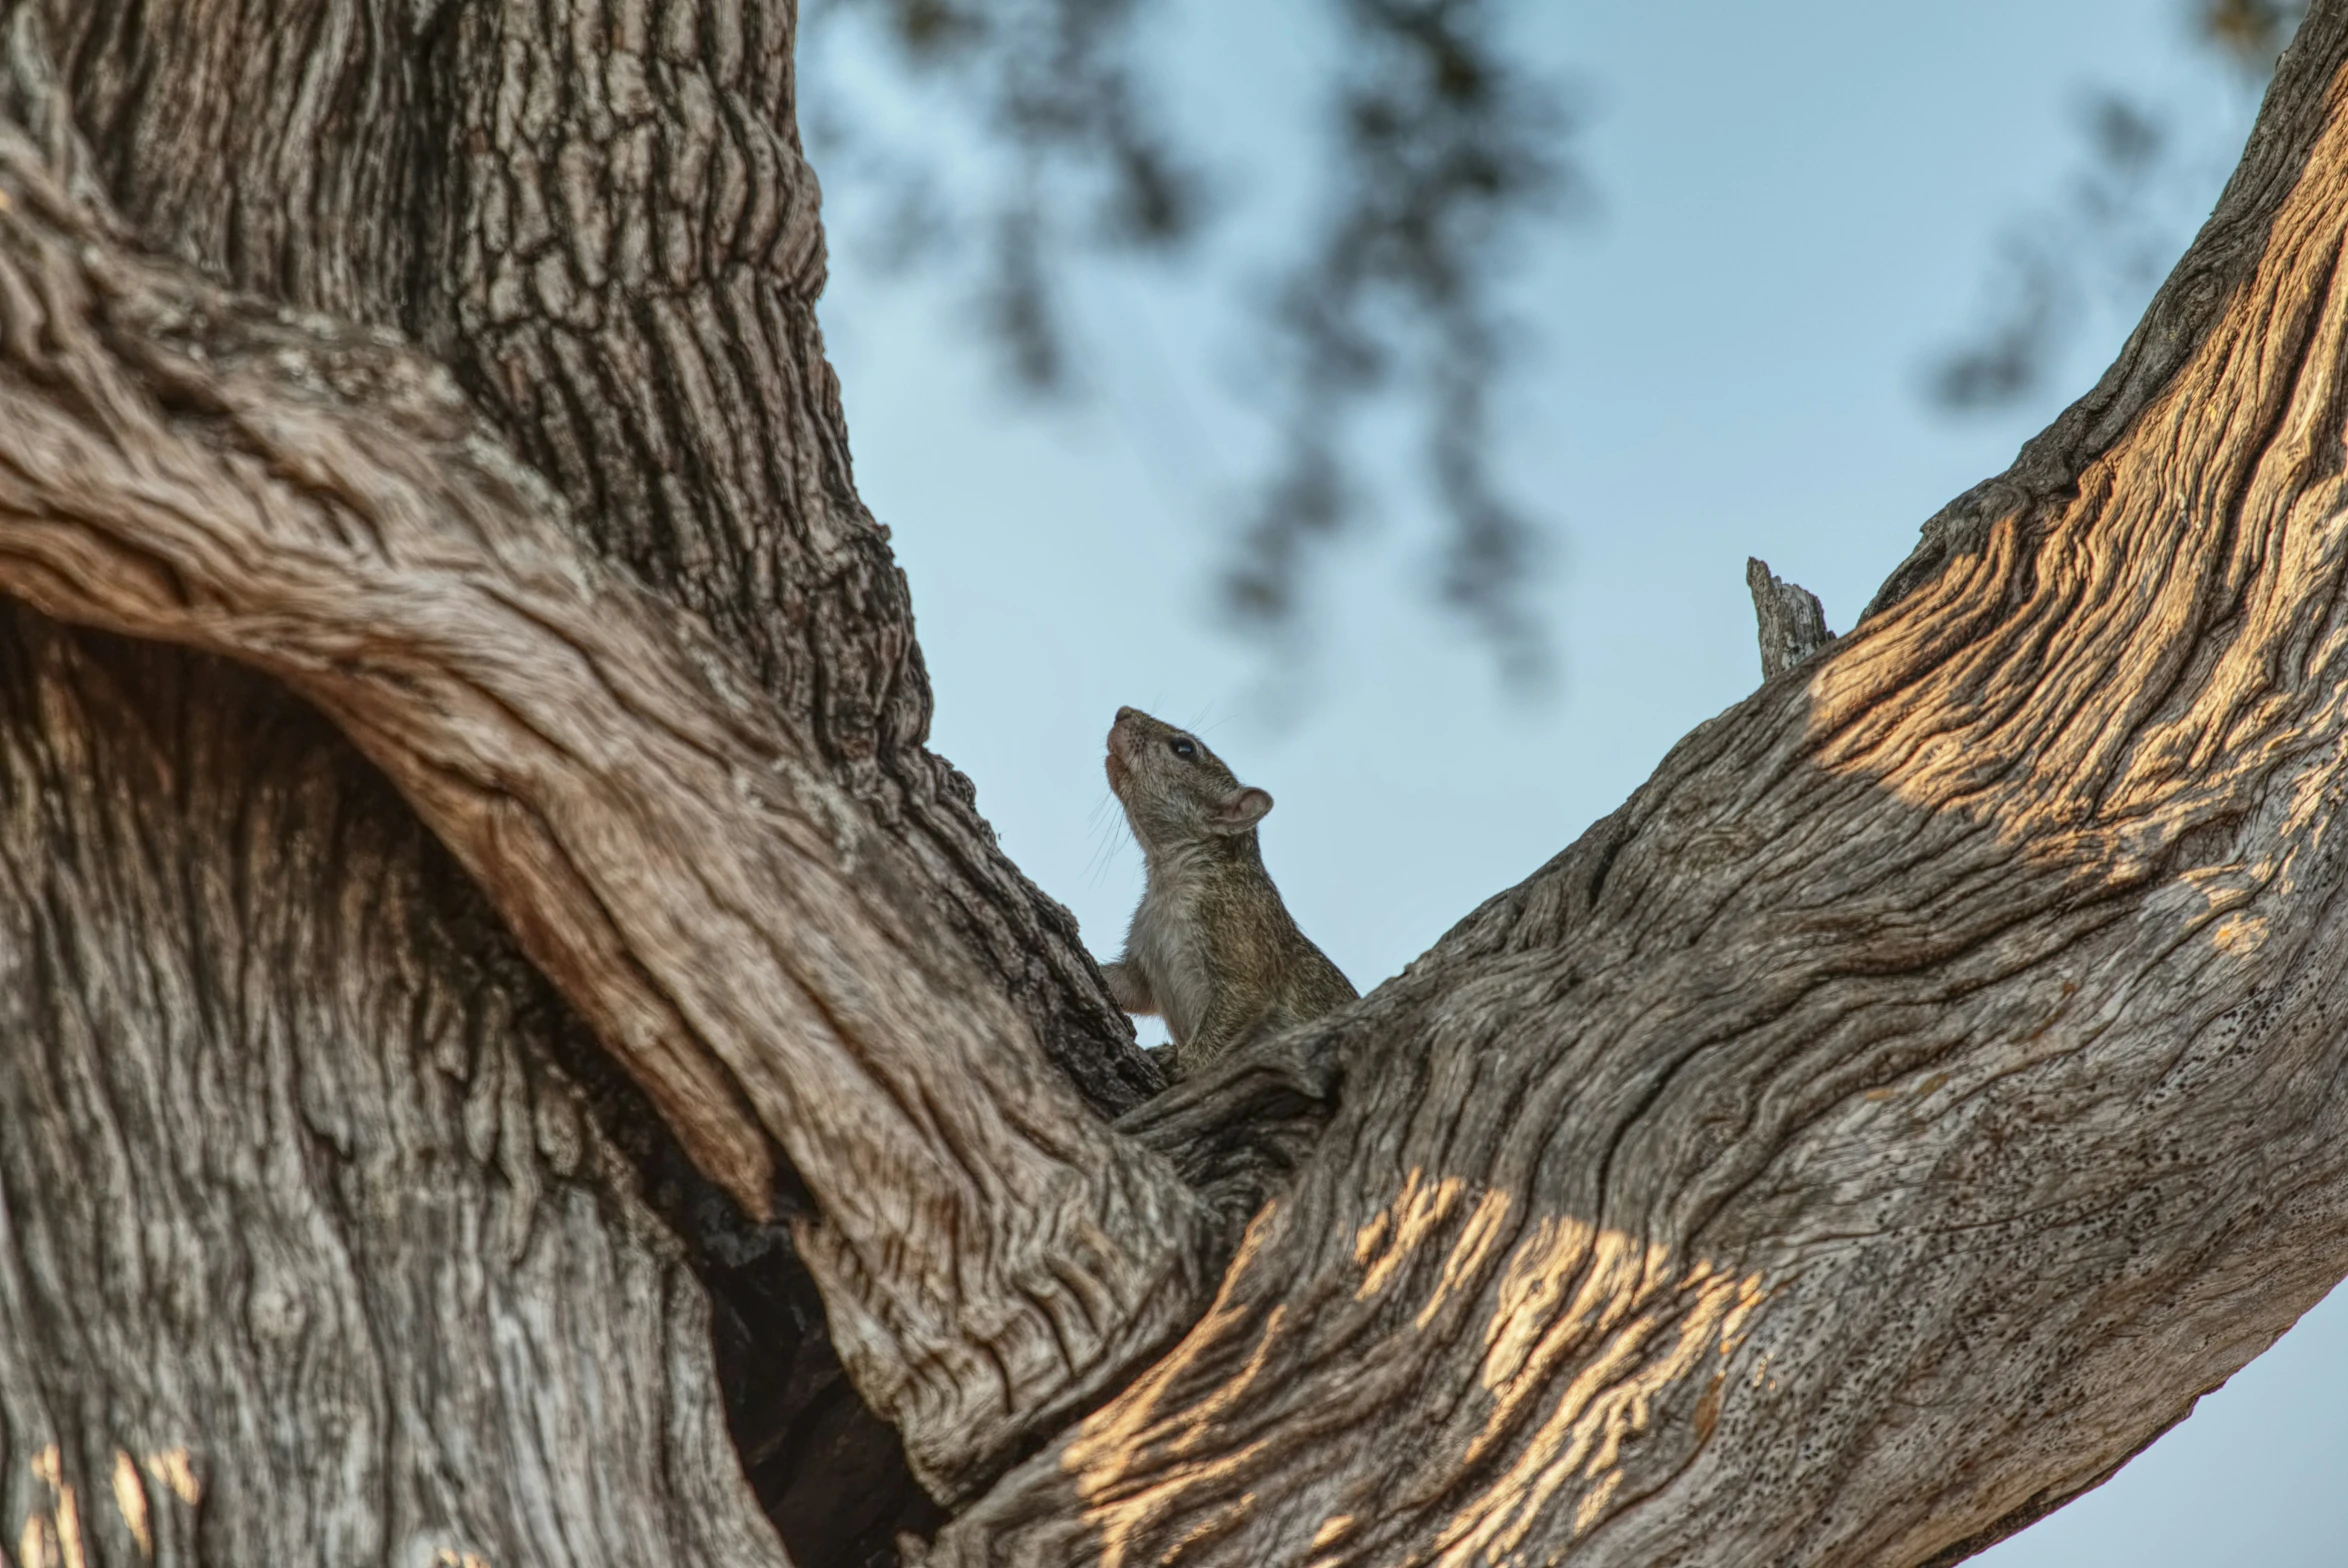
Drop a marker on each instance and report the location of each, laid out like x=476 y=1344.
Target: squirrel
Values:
x=1211 y=948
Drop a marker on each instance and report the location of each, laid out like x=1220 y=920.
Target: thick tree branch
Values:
x=1900 y=1109
x=597 y=215
x=320 y=503
x=629 y=293
x=1910 y=1101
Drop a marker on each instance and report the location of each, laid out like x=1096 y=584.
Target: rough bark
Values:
x=1891 y=1117
x=186 y=468
x=628 y=259
x=1909 y=1102
x=306 y=1254
x=369 y=158
x=596 y=213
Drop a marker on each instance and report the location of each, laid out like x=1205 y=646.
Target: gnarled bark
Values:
x=340 y=155
x=308 y=1256
x=1884 y=1123
x=322 y=506
x=1910 y=1101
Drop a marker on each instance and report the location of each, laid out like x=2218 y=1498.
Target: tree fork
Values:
x=1898 y=1111
x=1910 y=1101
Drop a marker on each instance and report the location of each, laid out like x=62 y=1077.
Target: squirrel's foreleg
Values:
x=1130 y=987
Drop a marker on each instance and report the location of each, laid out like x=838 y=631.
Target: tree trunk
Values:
x=504 y=1038
x=403 y=165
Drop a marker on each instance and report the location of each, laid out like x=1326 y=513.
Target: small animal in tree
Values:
x=1212 y=949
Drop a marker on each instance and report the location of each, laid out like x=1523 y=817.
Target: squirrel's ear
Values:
x=1241 y=809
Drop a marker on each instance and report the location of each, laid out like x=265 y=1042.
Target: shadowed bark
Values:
x=297 y=1235
x=332 y=185
x=323 y=506
x=1896 y=1113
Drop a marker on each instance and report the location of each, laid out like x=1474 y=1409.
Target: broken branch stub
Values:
x=1792 y=621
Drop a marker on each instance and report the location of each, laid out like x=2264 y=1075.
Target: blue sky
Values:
x=1795 y=205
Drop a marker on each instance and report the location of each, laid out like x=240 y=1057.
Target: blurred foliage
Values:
x=2120 y=222
x=1038 y=144
x=1087 y=162
x=1042 y=147
x=2252 y=31
x=1442 y=152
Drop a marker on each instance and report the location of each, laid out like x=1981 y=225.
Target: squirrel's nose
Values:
x=1123 y=714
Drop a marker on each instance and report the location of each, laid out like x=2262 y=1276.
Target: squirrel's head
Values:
x=1173 y=789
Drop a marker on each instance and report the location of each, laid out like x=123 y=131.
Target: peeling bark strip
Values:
x=318 y=503
x=1918 y=1094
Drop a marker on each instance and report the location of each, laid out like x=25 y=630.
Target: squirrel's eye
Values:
x=1185 y=750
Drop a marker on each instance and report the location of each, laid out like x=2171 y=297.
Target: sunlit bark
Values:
x=1888 y=1120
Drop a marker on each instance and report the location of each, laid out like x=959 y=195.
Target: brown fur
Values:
x=1211 y=949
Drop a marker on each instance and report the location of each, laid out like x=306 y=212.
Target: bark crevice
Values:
x=1876 y=1128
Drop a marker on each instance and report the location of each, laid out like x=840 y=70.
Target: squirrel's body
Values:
x=1212 y=948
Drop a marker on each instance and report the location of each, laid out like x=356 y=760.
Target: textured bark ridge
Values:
x=596 y=213
x=305 y=1256
x=319 y=504
x=1895 y=1114
x=1910 y=1101
x=356 y=176
x=631 y=254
